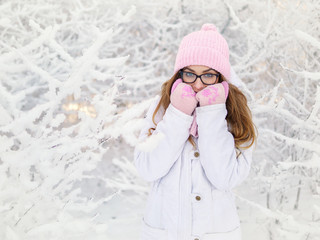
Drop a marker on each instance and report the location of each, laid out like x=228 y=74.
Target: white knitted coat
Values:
x=190 y=189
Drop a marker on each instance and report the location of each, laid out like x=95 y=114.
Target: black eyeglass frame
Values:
x=199 y=76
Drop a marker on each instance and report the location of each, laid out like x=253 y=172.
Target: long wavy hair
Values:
x=239 y=118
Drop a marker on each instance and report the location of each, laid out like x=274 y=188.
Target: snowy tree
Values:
x=77 y=77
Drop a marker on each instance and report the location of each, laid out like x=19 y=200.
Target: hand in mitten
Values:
x=213 y=94
x=183 y=97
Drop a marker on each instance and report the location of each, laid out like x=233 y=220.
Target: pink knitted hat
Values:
x=205 y=47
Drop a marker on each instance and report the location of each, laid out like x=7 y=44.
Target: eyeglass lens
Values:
x=207 y=78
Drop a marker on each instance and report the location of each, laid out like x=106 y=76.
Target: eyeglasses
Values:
x=206 y=78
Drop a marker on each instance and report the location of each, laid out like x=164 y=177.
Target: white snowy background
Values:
x=76 y=78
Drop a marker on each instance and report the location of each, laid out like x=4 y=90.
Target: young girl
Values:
x=202 y=136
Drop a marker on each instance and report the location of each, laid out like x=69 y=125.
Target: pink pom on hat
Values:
x=205 y=47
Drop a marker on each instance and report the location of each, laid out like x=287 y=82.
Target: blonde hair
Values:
x=239 y=118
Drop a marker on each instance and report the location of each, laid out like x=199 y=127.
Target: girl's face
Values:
x=199 y=69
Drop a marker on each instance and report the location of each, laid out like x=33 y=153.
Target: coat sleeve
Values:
x=155 y=160
x=218 y=155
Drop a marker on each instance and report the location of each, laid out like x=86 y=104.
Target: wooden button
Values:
x=196 y=154
x=198 y=198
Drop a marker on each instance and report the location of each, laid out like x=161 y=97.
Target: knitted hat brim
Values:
x=197 y=55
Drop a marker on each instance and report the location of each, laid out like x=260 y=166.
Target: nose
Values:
x=197 y=85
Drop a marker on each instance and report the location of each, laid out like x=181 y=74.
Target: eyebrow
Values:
x=202 y=71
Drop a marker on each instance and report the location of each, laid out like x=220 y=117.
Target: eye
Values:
x=208 y=75
x=189 y=74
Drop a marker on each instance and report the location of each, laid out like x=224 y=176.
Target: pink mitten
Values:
x=183 y=97
x=175 y=84
x=213 y=94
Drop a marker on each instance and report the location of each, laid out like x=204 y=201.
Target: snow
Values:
x=151 y=142
x=77 y=78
